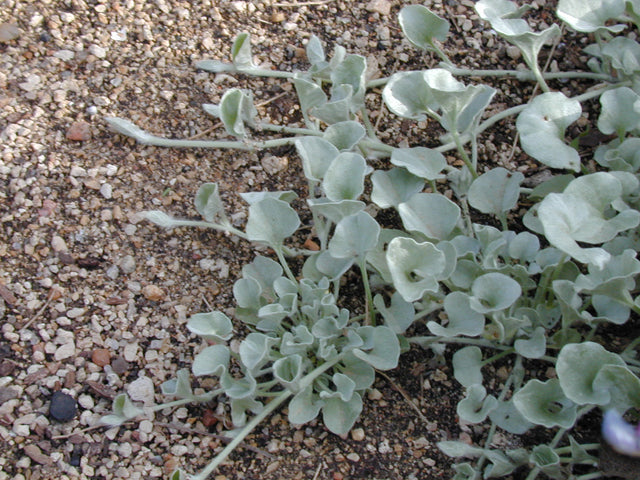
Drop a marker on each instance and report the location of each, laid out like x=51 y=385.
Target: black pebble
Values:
x=63 y=407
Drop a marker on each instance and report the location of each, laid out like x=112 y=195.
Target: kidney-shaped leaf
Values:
x=339 y=416
x=271 y=221
x=235 y=109
x=211 y=326
x=467 y=364
x=399 y=316
x=620 y=111
x=421 y=26
x=288 y=371
x=415 y=267
x=591 y=15
x=496 y=191
x=304 y=406
x=493 y=292
x=407 y=95
x=431 y=214
x=354 y=236
x=344 y=179
x=544 y=403
x=622 y=385
x=385 y=352
x=420 y=161
x=476 y=405
x=542 y=127
x=393 y=187
x=344 y=135
x=213 y=360
x=578 y=366
x=463 y=320
x=255 y=350
x=208 y=202
x=317 y=154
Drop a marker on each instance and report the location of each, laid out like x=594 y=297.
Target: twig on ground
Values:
x=404 y=395
x=39 y=312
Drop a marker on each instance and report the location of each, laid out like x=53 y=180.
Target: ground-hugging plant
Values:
x=492 y=293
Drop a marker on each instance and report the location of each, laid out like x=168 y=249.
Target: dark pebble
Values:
x=119 y=365
x=63 y=407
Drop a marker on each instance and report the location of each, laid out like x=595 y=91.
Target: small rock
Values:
x=35 y=454
x=101 y=357
x=127 y=264
x=119 y=365
x=67 y=17
x=131 y=352
x=65 y=351
x=86 y=402
x=76 y=312
x=354 y=457
x=98 y=51
x=106 y=190
x=58 y=244
x=153 y=293
x=63 y=407
x=513 y=52
x=142 y=390
x=79 y=132
x=383 y=7
x=273 y=165
x=277 y=17
x=77 y=171
x=357 y=434
x=64 y=55
x=8 y=393
x=112 y=272
x=8 y=32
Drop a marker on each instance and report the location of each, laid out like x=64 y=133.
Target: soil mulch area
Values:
x=94 y=300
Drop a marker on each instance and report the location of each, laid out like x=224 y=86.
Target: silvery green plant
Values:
x=539 y=292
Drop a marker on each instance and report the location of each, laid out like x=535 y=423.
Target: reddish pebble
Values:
x=153 y=293
x=79 y=132
x=209 y=418
x=101 y=357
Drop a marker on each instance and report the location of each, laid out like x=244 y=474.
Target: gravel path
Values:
x=93 y=300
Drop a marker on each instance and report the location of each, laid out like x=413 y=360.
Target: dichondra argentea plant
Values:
x=540 y=294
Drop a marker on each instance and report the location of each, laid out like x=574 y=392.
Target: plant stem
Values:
x=284 y=264
x=240 y=436
x=176 y=403
x=367 y=289
x=463 y=154
x=290 y=130
x=497 y=356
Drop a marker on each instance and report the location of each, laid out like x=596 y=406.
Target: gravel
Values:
x=94 y=300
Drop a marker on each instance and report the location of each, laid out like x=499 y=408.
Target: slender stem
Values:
x=498 y=356
x=176 y=403
x=367 y=289
x=290 y=130
x=249 y=145
x=240 y=436
x=371 y=131
x=284 y=264
x=463 y=154
x=586 y=446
